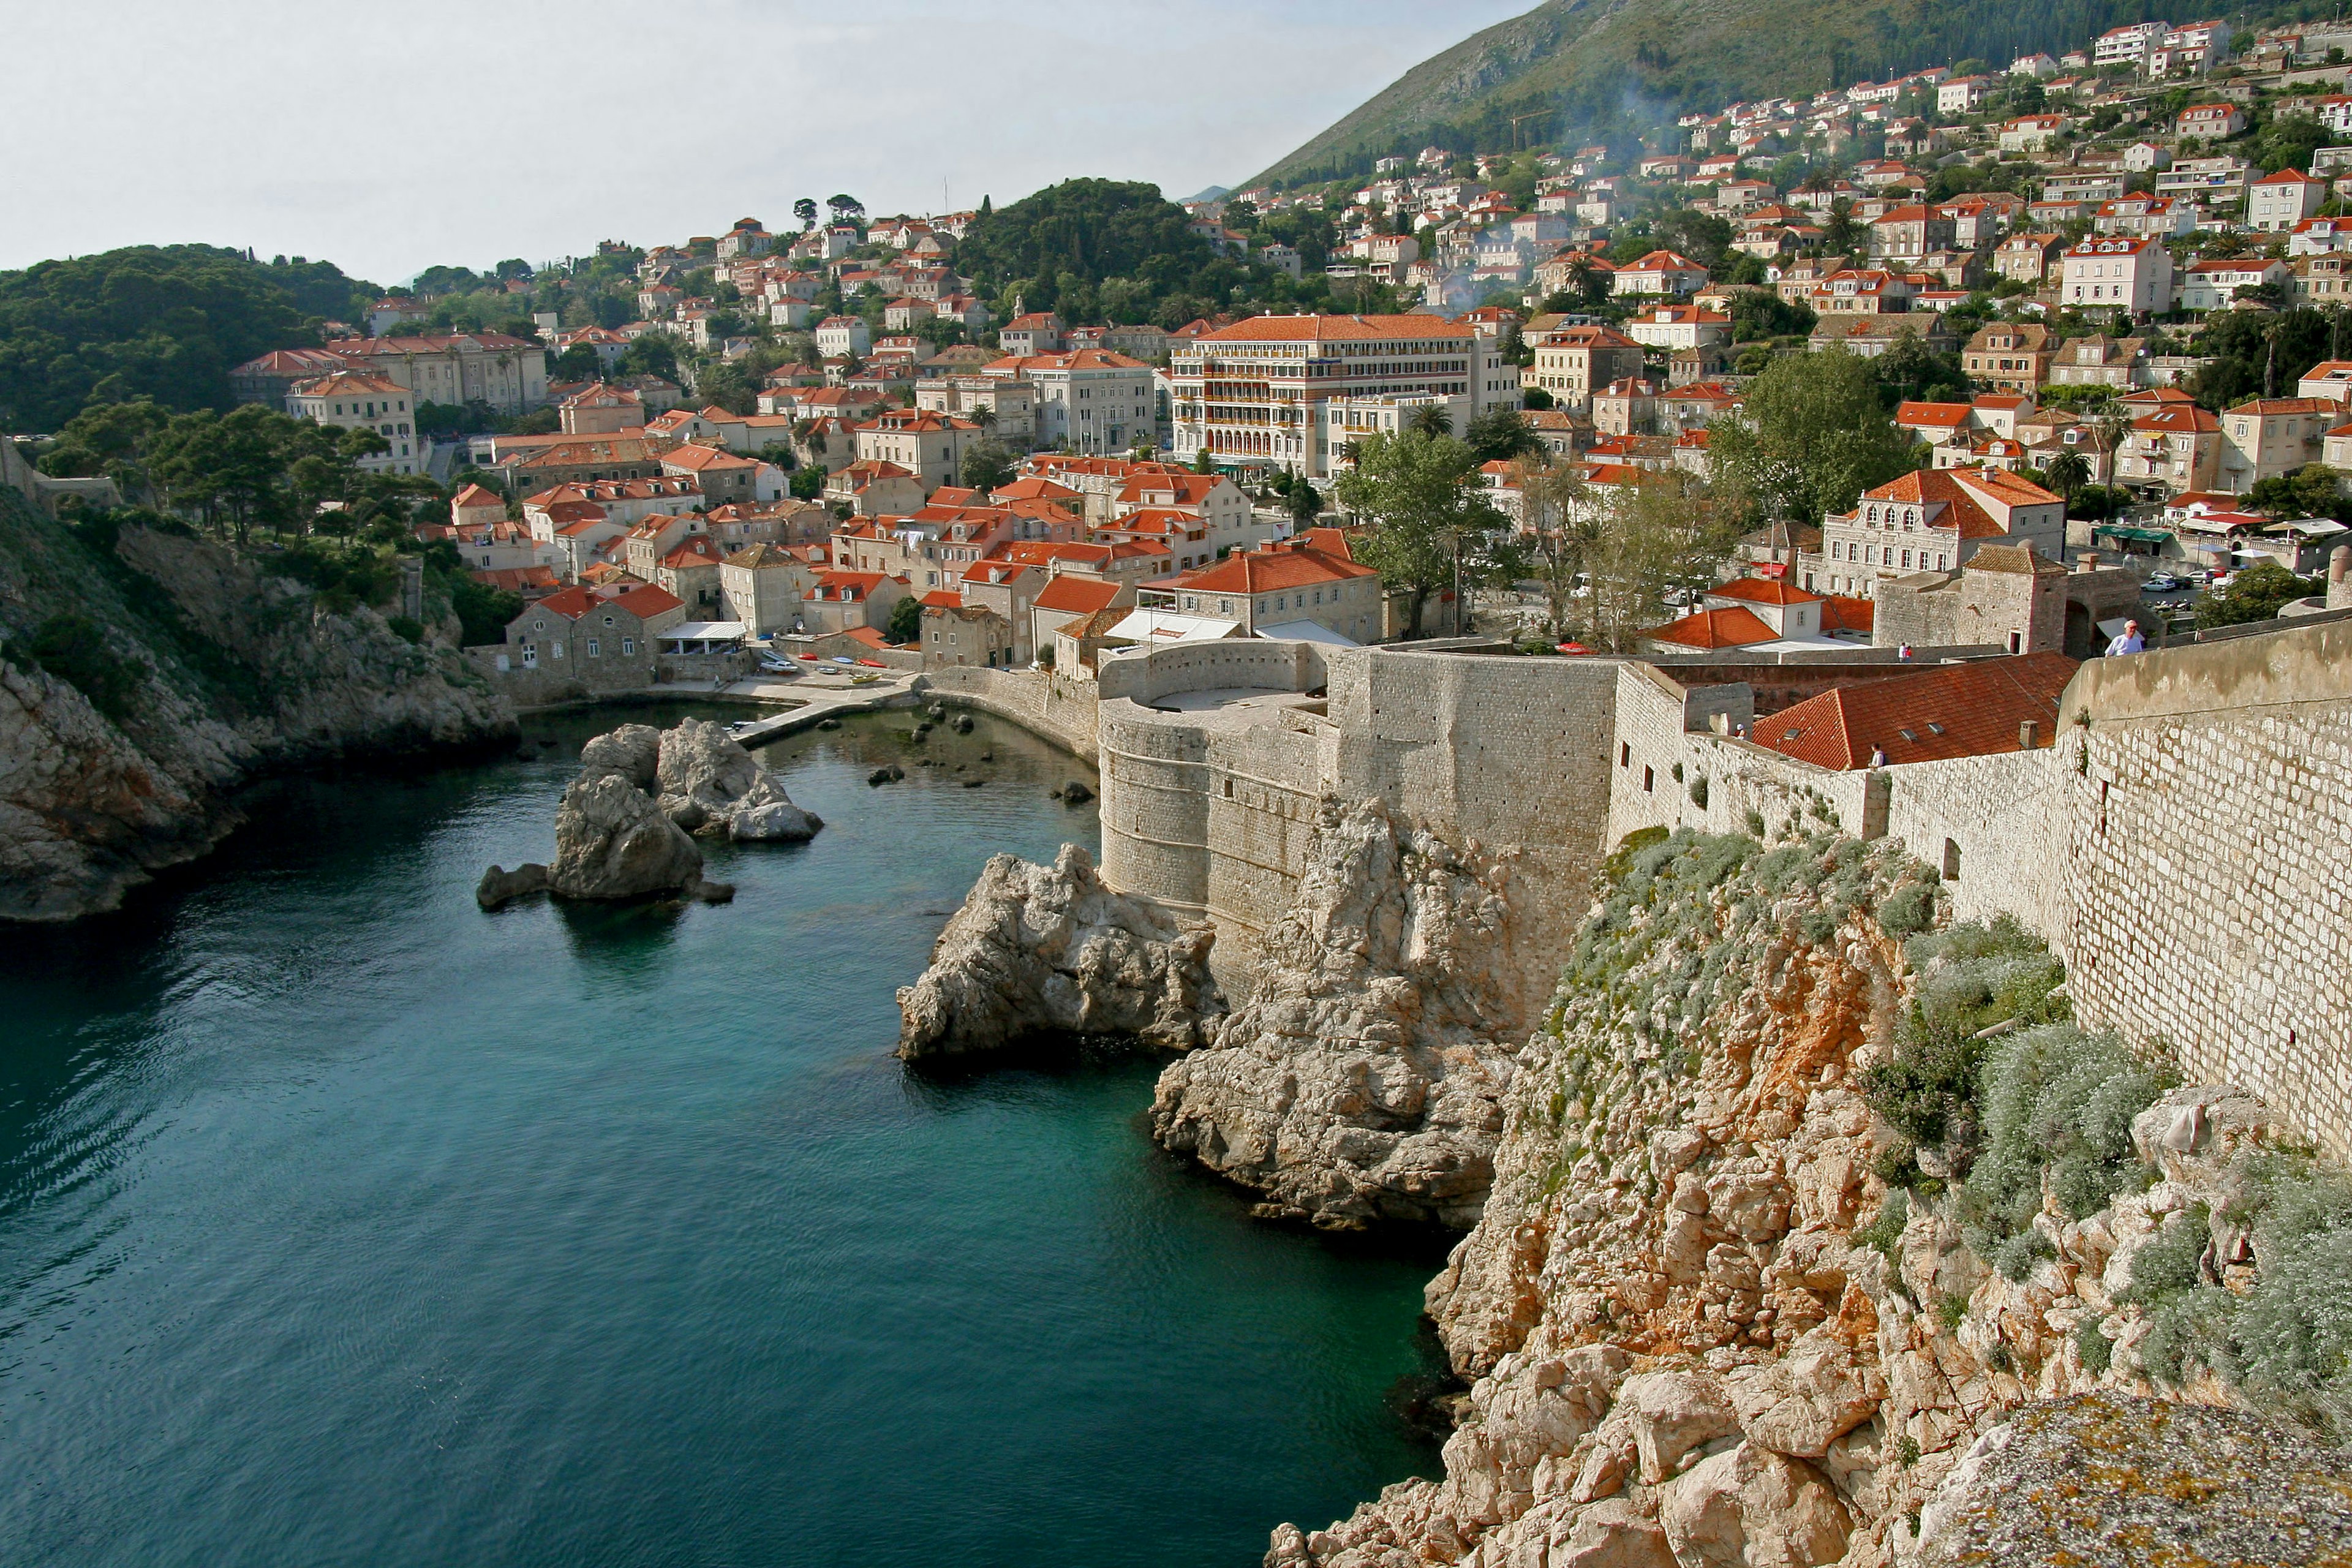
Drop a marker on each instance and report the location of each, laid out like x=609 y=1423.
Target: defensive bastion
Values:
x=2184 y=841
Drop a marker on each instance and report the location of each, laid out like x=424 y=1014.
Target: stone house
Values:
x=602 y=636
x=2270 y=437
x=2006 y=596
x=1569 y=361
x=761 y=585
x=838 y=601
x=956 y=632
x=1930 y=521
x=2012 y=355
x=872 y=486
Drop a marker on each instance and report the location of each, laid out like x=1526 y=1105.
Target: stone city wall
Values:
x=2208 y=862
x=1060 y=709
x=2184 y=842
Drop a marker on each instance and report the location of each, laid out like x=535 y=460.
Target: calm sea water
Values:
x=341 y=1223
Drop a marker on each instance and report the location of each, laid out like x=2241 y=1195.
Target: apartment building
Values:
x=1251 y=394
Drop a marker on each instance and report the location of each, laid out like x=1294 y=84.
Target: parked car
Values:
x=2160 y=583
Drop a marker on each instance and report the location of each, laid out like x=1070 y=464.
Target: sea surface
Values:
x=341 y=1223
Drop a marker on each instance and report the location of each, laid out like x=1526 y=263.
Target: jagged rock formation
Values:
x=1048 y=950
x=706 y=782
x=1363 y=1078
x=228 y=673
x=1703 y=1328
x=622 y=829
x=612 y=842
x=2096 y=1480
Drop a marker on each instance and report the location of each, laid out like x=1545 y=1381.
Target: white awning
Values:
x=1308 y=631
x=1157 y=627
x=705 y=631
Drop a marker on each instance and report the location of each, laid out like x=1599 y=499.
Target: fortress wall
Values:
x=1156 y=786
x=2208 y=862
x=1061 y=710
x=1147 y=675
x=1267 y=788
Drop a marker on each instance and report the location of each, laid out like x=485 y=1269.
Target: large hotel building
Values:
x=1285 y=392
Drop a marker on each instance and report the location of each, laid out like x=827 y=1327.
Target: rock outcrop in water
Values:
x=202 y=674
x=1363 y=1078
x=1049 y=951
x=1703 y=1330
x=622 y=831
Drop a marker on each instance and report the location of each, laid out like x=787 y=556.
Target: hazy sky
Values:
x=390 y=138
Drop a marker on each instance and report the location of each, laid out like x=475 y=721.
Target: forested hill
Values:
x=1598 y=67
x=167 y=323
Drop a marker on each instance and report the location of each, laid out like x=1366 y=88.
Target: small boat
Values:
x=1573 y=648
x=843 y=658
x=811 y=658
x=873 y=664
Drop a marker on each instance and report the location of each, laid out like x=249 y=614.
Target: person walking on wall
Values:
x=2130 y=641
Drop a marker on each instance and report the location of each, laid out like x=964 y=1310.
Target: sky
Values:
x=389 y=139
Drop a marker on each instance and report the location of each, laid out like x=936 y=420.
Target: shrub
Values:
x=408 y=626
x=1699 y=791
x=2094 y=1349
x=2055 y=1104
x=75 y=649
x=1884 y=1234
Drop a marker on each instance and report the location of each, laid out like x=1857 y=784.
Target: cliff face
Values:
x=1701 y=1327
x=214 y=672
x=1362 y=1078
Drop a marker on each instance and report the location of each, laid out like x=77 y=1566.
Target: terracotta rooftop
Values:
x=1970 y=710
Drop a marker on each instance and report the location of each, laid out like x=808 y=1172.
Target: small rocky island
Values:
x=624 y=827
x=1044 y=951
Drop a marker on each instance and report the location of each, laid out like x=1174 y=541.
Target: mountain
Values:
x=1594 y=70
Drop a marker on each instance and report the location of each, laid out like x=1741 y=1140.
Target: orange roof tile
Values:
x=1970 y=710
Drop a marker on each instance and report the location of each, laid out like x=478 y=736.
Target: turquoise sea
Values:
x=341 y=1223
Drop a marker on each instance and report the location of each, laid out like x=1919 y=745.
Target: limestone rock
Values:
x=707 y=782
x=1363 y=1078
x=1048 y=950
x=92 y=804
x=500 y=887
x=2172 y=1483
x=631 y=753
x=612 y=842
x=1672 y=1413
x=1750 y=1508
x=1613 y=1534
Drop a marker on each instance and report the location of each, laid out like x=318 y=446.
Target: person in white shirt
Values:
x=2130 y=642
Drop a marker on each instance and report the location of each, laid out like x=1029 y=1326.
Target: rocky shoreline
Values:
x=624 y=828
x=1710 y=1305
x=208 y=676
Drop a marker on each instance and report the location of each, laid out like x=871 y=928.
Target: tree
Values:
x=652 y=355
x=2255 y=594
x=1812 y=435
x=1841 y=236
x=1500 y=435
x=906 y=621
x=845 y=207
x=1661 y=532
x=804 y=209
x=1432 y=419
x=1427 y=510
x=986 y=464
x=1560 y=522
x=2309 y=491
x=1909 y=369
x=808 y=483
x=2068 y=471
x=164 y=322
x=2253 y=349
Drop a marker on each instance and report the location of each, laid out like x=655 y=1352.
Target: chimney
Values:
x=2088 y=561
x=2029 y=735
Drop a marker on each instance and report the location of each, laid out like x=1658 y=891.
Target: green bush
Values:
x=408 y=626
x=75 y=649
x=1884 y=1234
x=2056 y=1106
x=2094 y=1349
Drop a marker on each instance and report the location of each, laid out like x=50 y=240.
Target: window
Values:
x=1624 y=753
x=1649 y=779
x=1951 y=861
x=557 y=649
x=628 y=645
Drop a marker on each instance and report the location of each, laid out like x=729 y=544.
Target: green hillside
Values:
x=1597 y=68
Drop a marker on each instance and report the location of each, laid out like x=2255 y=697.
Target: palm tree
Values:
x=2068 y=471
x=1432 y=419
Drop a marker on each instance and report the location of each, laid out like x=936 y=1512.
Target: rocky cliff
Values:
x=1799 y=1200
x=1362 y=1078
x=144 y=675
x=1048 y=950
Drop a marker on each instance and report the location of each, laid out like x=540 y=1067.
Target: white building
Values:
x=1253 y=394
x=2118 y=274
x=844 y=337
x=2278 y=202
x=1088 y=401
x=349 y=400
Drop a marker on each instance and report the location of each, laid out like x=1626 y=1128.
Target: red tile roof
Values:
x=1286 y=564
x=1762 y=591
x=642 y=600
x=1970 y=710
x=1328 y=329
x=1715 y=628
x=1080 y=595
